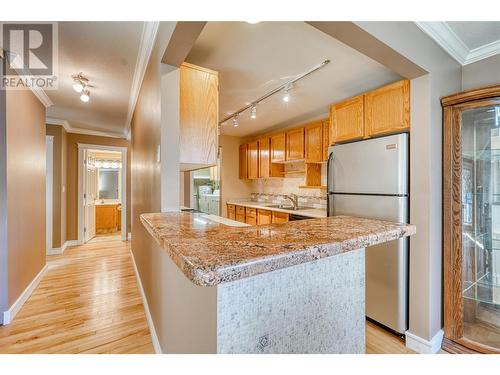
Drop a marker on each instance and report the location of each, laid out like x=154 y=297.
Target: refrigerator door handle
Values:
x=328 y=183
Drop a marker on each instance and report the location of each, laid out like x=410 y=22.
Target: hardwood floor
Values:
x=379 y=341
x=87 y=302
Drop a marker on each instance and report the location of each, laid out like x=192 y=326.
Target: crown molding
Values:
x=454 y=46
x=42 y=96
x=149 y=31
x=55 y=121
x=70 y=129
x=483 y=52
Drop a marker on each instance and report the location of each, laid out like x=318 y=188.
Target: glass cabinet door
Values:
x=480 y=198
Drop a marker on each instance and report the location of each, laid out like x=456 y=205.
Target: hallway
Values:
x=87 y=302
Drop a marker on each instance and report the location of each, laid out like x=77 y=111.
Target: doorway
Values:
x=102 y=195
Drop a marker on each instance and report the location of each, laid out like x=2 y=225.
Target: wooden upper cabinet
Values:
x=314 y=142
x=347 y=120
x=264 y=158
x=326 y=138
x=278 y=148
x=253 y=160
x=199 y=107
x=244 y=161
x=387 y=109
x=295 y=144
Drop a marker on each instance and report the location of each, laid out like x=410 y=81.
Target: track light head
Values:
x=85 y=97
x=286 y=94
x=253 y=112
x=235 y=121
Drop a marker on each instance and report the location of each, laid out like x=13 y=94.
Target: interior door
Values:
x=89 y=195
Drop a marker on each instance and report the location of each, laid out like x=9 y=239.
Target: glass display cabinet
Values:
x=471 y=220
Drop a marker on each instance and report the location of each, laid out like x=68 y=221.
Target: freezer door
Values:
x=386 y=264
x=372 y=166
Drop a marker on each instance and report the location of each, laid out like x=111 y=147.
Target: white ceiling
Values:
x=106 y=53
x=466 y=42
x=252 y=59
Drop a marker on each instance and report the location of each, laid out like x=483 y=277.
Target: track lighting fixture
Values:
x=253 y=112
x=286 y=88
x=85 y=97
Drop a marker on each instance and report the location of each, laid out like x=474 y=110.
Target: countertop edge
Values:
x=234 y=272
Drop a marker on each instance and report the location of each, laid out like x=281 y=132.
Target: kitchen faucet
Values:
x=294 y=199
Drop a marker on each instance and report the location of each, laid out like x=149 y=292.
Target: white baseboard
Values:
x=60 y=250
x=9 y=315
x=423 y=346
x=152 y=330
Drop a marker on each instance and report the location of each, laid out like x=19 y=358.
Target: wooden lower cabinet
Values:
x=251 y=216
x=279 y=217
x=231 y=212
x=106 y=218
x=264 y=217
x=255 y=216
x=240 y=214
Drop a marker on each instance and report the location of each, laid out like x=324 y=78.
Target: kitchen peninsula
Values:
x=296 y=287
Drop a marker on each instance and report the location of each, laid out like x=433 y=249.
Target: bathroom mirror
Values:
x=109 y=183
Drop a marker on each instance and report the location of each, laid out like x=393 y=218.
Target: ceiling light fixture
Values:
x=79 y=82
x=253 y=22
x=286 y=94
x=287 y=86
x=253 y=112
x=85 y=97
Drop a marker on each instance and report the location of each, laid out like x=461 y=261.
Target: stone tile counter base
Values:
x=314 y=307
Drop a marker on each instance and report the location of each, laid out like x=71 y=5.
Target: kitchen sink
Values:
x=287 y=207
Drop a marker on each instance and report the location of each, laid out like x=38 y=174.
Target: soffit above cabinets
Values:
x=466 y=42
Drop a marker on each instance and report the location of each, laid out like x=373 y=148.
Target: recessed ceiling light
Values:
x=85 y=97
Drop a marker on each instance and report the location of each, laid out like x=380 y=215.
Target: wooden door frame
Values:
x=123 y=151
x=453 y=106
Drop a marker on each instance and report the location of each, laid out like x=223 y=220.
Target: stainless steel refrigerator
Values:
x=370 y=178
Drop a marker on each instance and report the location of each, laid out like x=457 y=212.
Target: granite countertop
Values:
x=311 y=212
x=211 y=253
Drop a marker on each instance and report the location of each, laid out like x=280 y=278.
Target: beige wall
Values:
x=481 y=73
x=58 y=186
x=4 y=270
x=231 y=186
x=25 y=133
x=72 y=177
x=146 y=183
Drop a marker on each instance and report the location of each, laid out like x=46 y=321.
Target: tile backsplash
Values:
x=272 y=190
x=304 y=200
